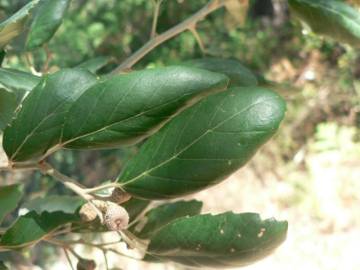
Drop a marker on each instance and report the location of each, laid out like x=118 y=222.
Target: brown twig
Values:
x=174 y=31
x=157 y=5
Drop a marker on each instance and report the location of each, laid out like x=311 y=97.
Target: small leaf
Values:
x=32 y=228
x=160 y=216
x=47 y=20
x=95 y=64
x=205 y=144
x=54 y=203
x=18 y=80
x=239 y=74
x=14 y=26
x=125 y=109
x=9 y=199
x=38 y=124
x=8 y=106
x=223 y=241
x=331 y=18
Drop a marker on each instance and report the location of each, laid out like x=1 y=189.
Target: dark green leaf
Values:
x=2 y=56
x=8 y=106
x=125 y=109
x=3 y=266
x=331 y=18
x=9 y=199
x=54 y=203
x=204 y=144
x=32 y=227
x=14 y=26
x=160 y=216
x=239 y=74
x=18 y=80
x=38 y=124
x=135 y=207
x=48 y=18
x=222 y=241
x=93 y=65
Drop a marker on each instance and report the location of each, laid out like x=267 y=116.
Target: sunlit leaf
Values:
x=222 y=241
x=9 y=199
x=125 y=109
x=160 y=216
x=32 y=228
x=8 y=106
x=46 y=21
x=38 y=124
x=332 y=18
x=18 y=80
x=204 y=144
x=14 y=26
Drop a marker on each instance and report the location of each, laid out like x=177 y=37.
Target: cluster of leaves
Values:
x=202 y=120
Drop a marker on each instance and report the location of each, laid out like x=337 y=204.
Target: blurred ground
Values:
x=320 y=199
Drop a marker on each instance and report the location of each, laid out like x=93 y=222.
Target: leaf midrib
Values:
x=147 y=172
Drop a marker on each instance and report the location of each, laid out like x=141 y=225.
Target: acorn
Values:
x=116 y=217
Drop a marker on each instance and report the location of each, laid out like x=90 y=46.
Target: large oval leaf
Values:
x=38 y=124
x=8 y=105
x=331 y=18
x=14 y=26
x=18 y=80
x=239 y=74
x=204 y=144
x=32 y=228
x=127 y=108
x=222 y=241
x=48 y=18
x=162 y=215
x=9 y=199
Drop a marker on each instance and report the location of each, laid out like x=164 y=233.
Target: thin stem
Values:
x=19 y=166
x=47 y=169
x=105 y=260
x=174 y=31
x=68 y=258
x=157 y=5
x=198 y=38
x=48 y=53
x=102 y=187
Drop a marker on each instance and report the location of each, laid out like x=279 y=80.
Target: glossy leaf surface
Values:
x=14 y=26
x=9 y=199
x=222 y=241
x=18 y=80
x=38 y=124
x=8 y=105
x=160 y=216
x=48 y=18
x=125 y=109
x=204 y=144
x=332 y=18
x=32 y=228
x=239 y=74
